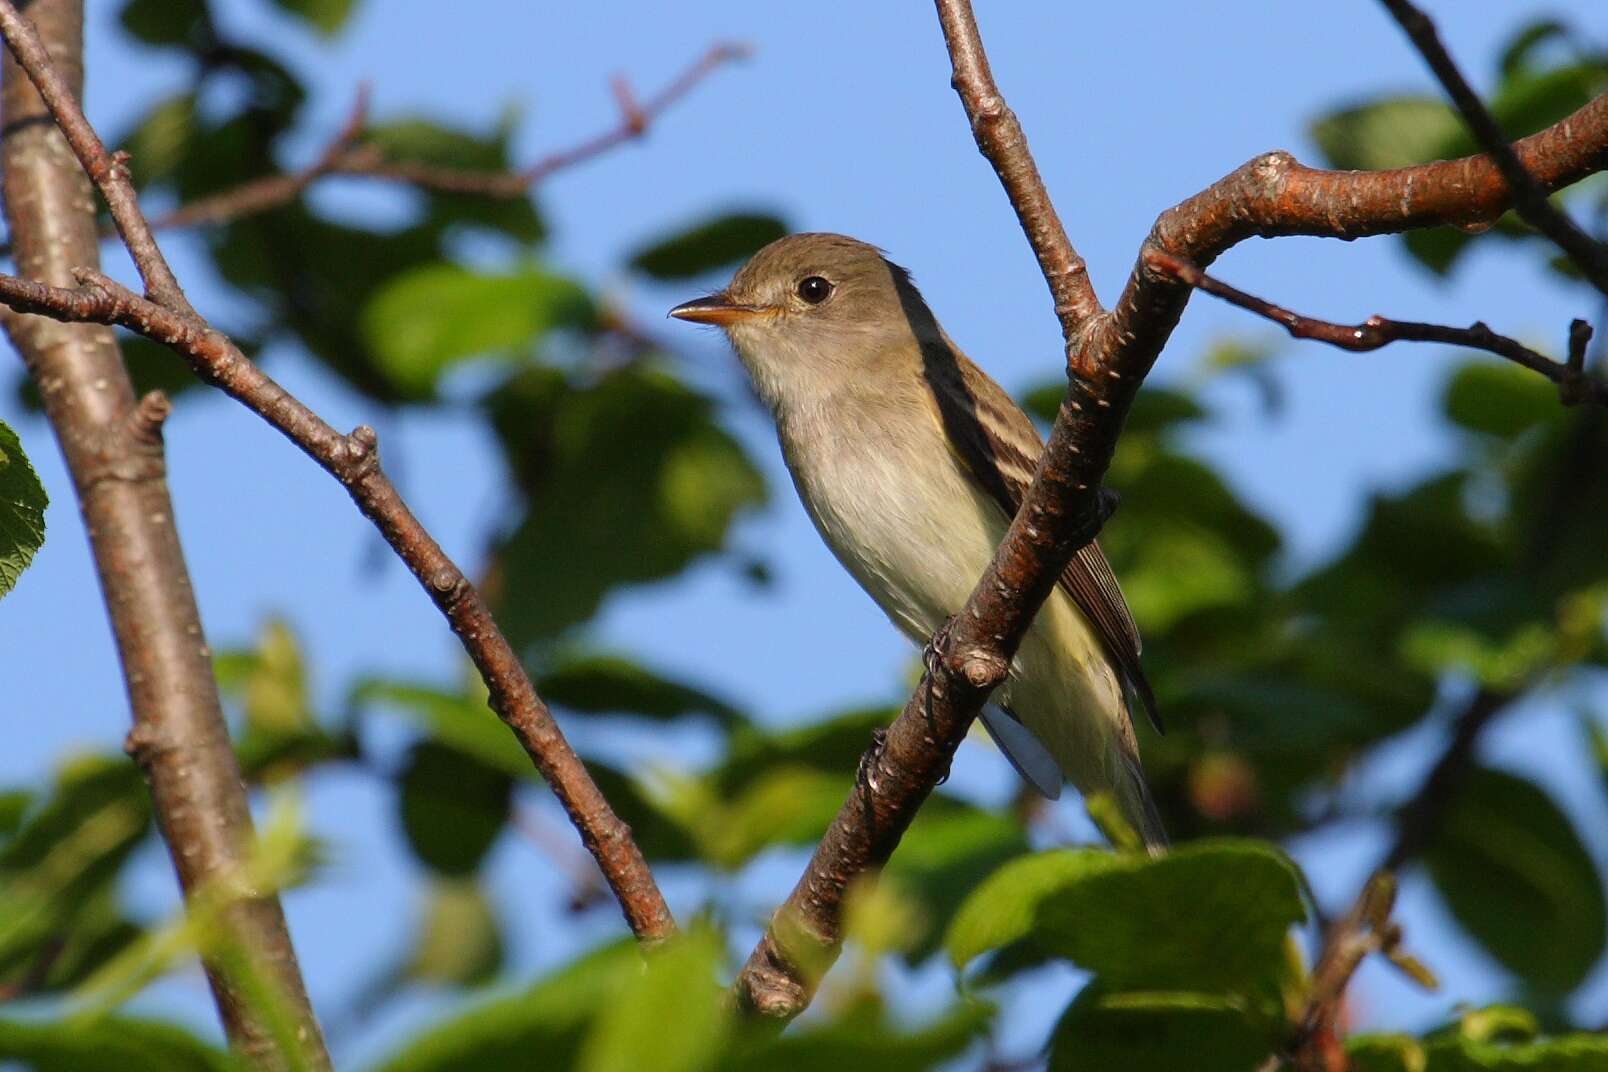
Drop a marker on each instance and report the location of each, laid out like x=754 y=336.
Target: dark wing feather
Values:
x=1000 y=447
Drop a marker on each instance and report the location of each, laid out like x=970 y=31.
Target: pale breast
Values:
x=895 y=509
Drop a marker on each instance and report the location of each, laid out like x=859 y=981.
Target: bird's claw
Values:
x=867 y=772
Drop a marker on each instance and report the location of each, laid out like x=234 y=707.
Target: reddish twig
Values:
x=1529 y=196
x=260 y=195
x=1108 y=354
x=352 y=459
x=1574 y=386
x=343 y=157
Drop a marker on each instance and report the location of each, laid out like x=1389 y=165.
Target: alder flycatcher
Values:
x=912 y=462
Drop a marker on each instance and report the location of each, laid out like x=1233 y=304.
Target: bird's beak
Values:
x=716 y=309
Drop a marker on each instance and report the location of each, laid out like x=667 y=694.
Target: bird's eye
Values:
x=814 y=289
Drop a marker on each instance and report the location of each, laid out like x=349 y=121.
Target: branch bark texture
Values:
x=1108 y=355
x=352 y=459
x=113 y=447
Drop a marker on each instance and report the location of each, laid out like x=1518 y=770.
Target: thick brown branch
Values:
x=1529 y=197
x=354 y=461
x=1109 y=354
x=1574 y=386
x=113 y=449
x=1000 y=139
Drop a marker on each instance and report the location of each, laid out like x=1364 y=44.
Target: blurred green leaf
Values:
x=269 y=680
x=458 y=942
x=1210 y=915
x=76 y=1045
x=864 y=1039
x=162 y=137
x=832 y=745
x=460 y=720
x=167 y=22
x=422 y=322
x=672 y=1016
x=598 y=683
x=629 y=480
x=1569 y=1053
x=1157 y=1032
x=1389 y=132
x=325 y=16
x=417 y=140
x=1528 y=40
x=948 y=851
x=1511 y=868
x=1385 y=1053
x=708 y=245
x=1500 y=399
x=453 y=807
x=22 y=509
x=548 y=1020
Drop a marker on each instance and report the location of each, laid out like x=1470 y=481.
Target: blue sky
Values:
x=842 y=120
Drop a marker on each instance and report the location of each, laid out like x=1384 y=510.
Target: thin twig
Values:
x=1529 y=196
x=353 y=460
x=1574 y=386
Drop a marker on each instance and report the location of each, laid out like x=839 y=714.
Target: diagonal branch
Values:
x=1529 y=196
x=352 y=459
x=1108 y=355
x=1574 y=386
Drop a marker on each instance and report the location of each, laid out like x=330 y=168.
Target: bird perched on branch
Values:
x=912 y=462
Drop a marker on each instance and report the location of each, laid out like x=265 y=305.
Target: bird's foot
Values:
x=866 y=775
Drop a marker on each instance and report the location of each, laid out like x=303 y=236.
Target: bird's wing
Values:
x=1000 y=448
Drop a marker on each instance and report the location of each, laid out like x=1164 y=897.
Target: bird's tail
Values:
x=1138 y=806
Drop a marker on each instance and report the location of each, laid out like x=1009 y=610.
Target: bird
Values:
x=911 y=462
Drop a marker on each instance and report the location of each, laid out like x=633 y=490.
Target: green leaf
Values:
x=597 y=683
x=629 y=480
x=1567 y=1053
x=167 y=22
x=1386 y=1053
x=1386 y=133
x=459 y=943
x=1157 y=1032
x=862 y=1038
x=1210 y=915
x=948 y=851
x=325 y=16
x=548 y=1020
x=709 y=245
x=460 y=720
x=1512 y=870
x=22 y=510
x=453 y=807
x=422 y=322
x=1527 y=41
x=1499 y=399
x=74 y=1045
x=671 y=1017
x=417 y=140
x=160 y=141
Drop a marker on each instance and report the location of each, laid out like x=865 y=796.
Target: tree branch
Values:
x=1000 y=139
x=1529 y=197
x=1574 y=386
x=346 y=155
x=354 y=461
x=1366 y=927
x=113 y=449
x=1108 y=356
